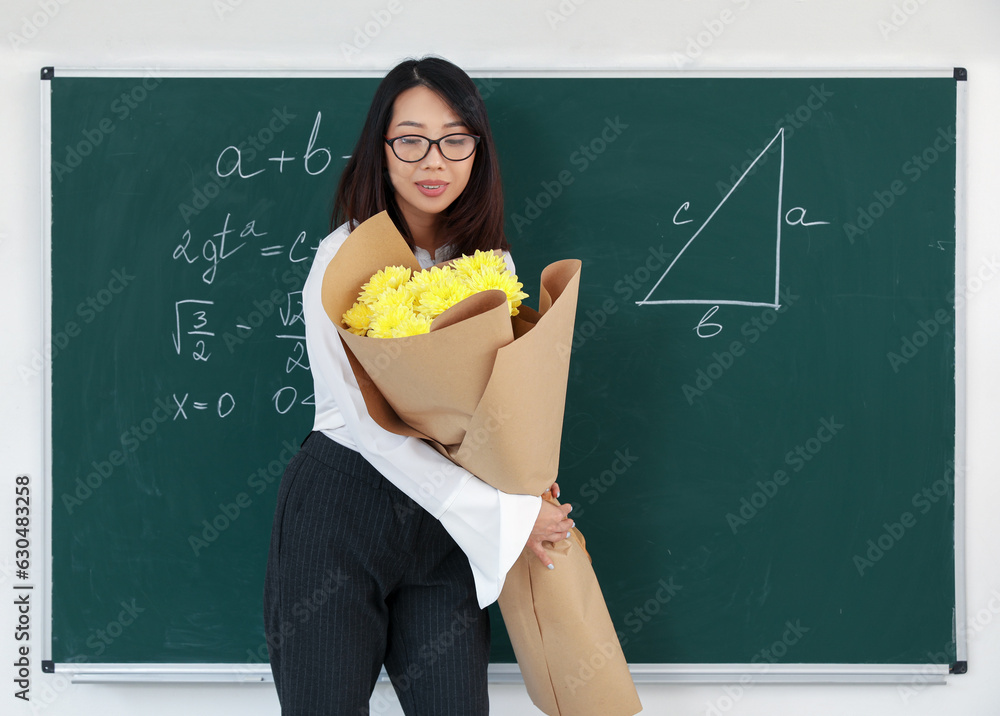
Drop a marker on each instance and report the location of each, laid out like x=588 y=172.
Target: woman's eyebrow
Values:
x=411 y=123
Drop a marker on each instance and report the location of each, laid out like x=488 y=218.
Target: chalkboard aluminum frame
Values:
x=509 y=673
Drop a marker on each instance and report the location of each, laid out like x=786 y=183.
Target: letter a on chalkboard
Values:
x=734 y=257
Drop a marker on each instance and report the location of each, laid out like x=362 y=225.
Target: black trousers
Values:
x=359 y=576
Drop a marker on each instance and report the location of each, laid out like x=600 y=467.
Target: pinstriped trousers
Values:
x=358 y=576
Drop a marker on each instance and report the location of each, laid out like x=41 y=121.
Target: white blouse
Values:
x=490 y=526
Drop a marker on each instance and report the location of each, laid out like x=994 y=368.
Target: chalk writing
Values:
x=205 y=332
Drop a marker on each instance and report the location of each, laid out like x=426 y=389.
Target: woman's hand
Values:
x=551 y=526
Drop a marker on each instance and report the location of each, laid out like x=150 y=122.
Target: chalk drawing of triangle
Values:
x=734 y=257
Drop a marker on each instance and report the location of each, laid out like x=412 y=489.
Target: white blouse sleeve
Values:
x=490 y=526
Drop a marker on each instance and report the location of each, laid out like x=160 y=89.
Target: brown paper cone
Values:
x=469 y=386
x=563 y=637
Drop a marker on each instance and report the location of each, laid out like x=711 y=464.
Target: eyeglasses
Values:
x=414 y=147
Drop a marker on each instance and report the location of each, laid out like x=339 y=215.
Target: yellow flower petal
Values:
x=492 y=279
x=358 y=318
x=411 y=325
x=480 y=260
x=391 y=277
x=385 y=324
x=437 y=290
x=392 y=297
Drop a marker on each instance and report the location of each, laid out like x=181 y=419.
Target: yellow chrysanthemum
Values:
x=396 y=322
x=436 y=290
x=358 y=318
x=412 y=325
x=480 y=260
x=392 y=297
x=391 y=277
x=397 y=302
x=490 y=279
x=423 y=280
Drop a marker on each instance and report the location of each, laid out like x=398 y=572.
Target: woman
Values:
x=382 y=550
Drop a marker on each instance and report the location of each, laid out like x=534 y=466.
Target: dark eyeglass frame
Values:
x=431 y=143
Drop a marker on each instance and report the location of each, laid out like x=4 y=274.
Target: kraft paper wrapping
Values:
x=488 y=391
x=566 y=647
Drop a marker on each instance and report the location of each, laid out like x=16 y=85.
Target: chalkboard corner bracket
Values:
x=48 y=667
x=961 y=74
x=48 y=73
x=959 y=667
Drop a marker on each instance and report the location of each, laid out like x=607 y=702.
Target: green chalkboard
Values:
x=760 y=433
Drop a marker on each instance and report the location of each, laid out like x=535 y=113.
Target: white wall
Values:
x=477 y=35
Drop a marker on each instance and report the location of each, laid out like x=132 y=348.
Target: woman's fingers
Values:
x=542 y=555
x=553 y=525
x=560 y=530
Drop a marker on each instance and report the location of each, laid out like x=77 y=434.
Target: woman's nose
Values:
x=434 y=157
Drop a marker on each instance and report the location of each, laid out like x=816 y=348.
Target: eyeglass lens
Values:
x=413 y=147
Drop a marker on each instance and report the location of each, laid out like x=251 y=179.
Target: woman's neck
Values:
x=426 y=232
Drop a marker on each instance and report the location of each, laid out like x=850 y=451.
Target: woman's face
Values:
x=426 y=188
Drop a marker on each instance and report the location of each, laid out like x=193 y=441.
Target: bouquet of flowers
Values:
x=398 y=302
x=468 y=319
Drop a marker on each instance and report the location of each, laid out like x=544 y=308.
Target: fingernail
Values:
x=573 y=525
x=551 y=566
x=568 y=534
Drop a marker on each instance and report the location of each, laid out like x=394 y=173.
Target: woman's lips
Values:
x=428 y=188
